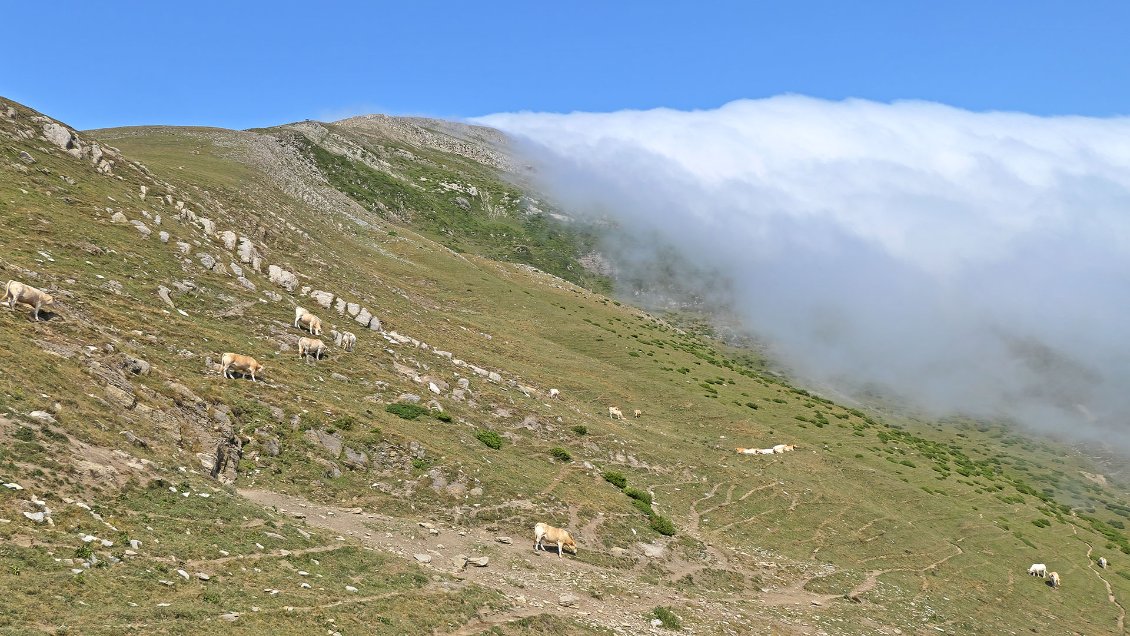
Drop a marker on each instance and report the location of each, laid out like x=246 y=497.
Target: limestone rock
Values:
x=352 y=309
x=363 y=317
x=42 y=416
x=164 y=236
x=246 y=283
x=142 y=228
x=229 y=239
x=207 y=260
x=567 y=600
x=330 y=441
x=355 y=459
x=118 y=217
x=479 y=562
x=282 y=277
x=424 y=558
x=323 y=298
x=121 y=398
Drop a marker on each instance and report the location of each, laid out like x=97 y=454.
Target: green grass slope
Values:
x=876 y=523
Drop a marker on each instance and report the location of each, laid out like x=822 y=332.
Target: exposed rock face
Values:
x=164 y=236
x=356 y=459
x=364 y=317
x=228 y=452
x=330 y=441
x=229 y=239
x=353 y=309
x=118 y=217
x=282 y=277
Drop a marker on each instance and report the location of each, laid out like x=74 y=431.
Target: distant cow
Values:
x=17 y=292
x=243 y=364
x=554 y=394
x=783 y=448
x=311 y=346
x=347 y=341
x=614 y=413
x=312 y=323
x=1038 y=569
x=637 y=413
x=1053 y=579
x=1102 y=562
x=555 y=536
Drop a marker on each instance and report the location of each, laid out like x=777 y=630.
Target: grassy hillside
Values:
x=876 y=523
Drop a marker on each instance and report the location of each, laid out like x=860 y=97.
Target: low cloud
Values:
x=974 y=263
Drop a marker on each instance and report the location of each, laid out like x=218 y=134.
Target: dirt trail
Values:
x=1109 y=590
x=533 y=581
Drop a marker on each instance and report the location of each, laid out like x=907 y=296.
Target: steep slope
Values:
x=874 y=524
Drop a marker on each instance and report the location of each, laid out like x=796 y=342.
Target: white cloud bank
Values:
x=976 y=263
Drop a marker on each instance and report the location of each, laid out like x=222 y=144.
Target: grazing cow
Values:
x=545 y=532
x=243 y=364
x=1102 y=562
x=637 y=413
x=614 y=413
x=348 y=340
x=1038 y=569
x=17 y=292
x=312 y=323
x=1053 y=579
x=554 y=394
x=311 y=346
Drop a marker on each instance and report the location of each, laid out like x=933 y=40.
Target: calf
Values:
x=545 y=532
x=347 y=341
x=17 y=292
x=637 y=413
x=244 y=364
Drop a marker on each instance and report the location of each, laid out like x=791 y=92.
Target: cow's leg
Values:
x=559 y=550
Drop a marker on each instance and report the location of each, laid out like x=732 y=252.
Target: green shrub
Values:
x=615 y=478
x=1041 y=523
x=489 y=438
x=84 y=551
x=662 y=525
x=443 y=417
x=636 y=493
x=667 y=618
x=643 y=507
x=345 y=423
x=560 y=454
x=406 y=411
x=580 y=429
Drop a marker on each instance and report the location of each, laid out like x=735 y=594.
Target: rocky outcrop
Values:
x=283 y=278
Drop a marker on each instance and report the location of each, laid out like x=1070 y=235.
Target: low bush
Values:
x=489 y=438
x=560 y=454
x=662 y=525
x=406 y=411
x=615 y=478
x=667 y=618
x=580 y=429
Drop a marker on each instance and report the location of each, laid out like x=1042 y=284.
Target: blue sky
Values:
x=244 y=64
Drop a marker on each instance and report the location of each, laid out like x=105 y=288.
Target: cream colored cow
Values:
x=244 y=364
x=312 y=323
x=17 y=292
x=614 y=413
x=543 y=532
x=311 y=346
x=637 y=413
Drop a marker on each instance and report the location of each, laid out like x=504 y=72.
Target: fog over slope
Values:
x=975 y=263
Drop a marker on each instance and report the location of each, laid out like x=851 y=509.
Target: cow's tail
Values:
x=7 y=291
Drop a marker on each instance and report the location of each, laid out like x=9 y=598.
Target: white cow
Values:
x=1038 y=569
x=311 y=346
x=312 y=323
x=1102 y=562
x=17 y=292
x=614 y=413
x=554 y=394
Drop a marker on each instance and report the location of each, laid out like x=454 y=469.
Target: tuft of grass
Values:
x=640 y=495
x=560 y=454
x=580 y=429
x=443 y=417
x=662 y=525
x=667 y=618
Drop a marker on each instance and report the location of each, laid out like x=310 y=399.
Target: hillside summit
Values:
x=394 y=488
